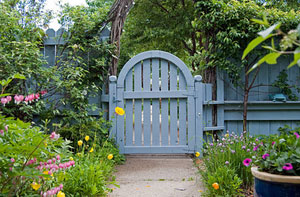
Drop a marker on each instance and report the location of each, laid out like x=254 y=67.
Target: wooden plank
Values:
x=112 y=105
x=129 y=111
x=182 y=112
x=120 y=120
x=155 y=104
x=164 y=104
x=198 y=114
x=191 y=120
x=146 y=112
x=138 y=106
x=156 y=94
x=173 y=107
x=208 y=114
x=263 y=79
x=157 y=150
x=220 y=97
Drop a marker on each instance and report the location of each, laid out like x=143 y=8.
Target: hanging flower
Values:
x=216 y=186
x=87 y=138
x=80 y=143
x=35 y=186
x=110 y=156
x=287 y=166
x=197 y=154
x=247 y=162
x=119 y=111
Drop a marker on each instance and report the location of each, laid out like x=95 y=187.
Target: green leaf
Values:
x=298 y=30
x=267 y=32
x=271 y=58
x=296 y=58
x=18 y=76
x=254 y=43
x=260 y=21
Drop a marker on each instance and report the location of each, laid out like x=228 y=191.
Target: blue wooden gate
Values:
x=162 y=103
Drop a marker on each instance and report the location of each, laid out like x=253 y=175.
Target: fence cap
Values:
x=198 y=78
x=113 y=78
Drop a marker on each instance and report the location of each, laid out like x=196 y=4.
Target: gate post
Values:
x=199 y=114
x=112 y=105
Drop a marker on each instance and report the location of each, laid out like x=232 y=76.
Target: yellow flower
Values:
x=61 y=194
x=227 y=135
x=119 y=111
x=71 y=158
x=215 y=186
x=79 y=154
x=47 y=173
x=110 y=156
x=35 y=186
x=87 y=138
x=80 y=143
x=92 y=149
x=197 y=154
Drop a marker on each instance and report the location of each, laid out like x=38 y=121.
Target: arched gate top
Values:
x=156 y=54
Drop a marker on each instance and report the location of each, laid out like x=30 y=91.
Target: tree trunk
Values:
x=117 y=16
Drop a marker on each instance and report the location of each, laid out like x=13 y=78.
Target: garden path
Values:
x=159 y=176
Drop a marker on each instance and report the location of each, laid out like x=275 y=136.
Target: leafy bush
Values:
x=230 y=151
x=223 y=182
x=281 y=153
x=93 y=171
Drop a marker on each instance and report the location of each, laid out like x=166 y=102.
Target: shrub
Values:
x=230 y=151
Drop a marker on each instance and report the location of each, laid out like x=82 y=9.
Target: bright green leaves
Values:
x=254 y=43
x=296 y=58
x=270 y=58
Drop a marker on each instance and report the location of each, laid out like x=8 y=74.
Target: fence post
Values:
x=199 y=114
x=112 y=105
x=220 y=98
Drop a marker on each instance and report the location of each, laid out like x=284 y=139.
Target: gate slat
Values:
x=155 y=103
x=146 y=112
x=137 y=106
x=164 y=104
x=182 y=111
x=173 y=107
x=129 y=111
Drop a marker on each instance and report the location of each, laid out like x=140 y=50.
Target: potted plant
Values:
x=277 y=165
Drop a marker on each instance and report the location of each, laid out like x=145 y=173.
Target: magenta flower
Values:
x=43 y=92
x=297 y=135
x=4 y=101
x=247 y=162
x=255 y=148
x=1 y=132
x=287 y=166
x=8 y=99
x=265 y=156
x=273 y=143
x=12 y=160
x=18 y=99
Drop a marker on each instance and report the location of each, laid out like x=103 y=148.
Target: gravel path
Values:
x=165 y=176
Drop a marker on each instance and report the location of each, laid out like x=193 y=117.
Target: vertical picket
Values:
x=146 y=111
x=155 y=104
x=182 y=112
x=112 y=104
x=164 y=104
x=129 y=111
x=191 y=118
x=120 y=119
x=199 y=119
x=173 y=106
x=138 y=106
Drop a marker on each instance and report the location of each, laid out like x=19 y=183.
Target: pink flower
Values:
x=297 y=135
x=247 y=162
x=273 y=143
x=6 y=127
x=10 y=168
x=255 y=148
x=12 y=160
x=8 y=99
x=287 y=166
x=243 y=147
x=43 y=92
x=265 y=156
x=37 y=96
x=4 y=101
x=57 y=157
x=18 y=99
x=54 y=136
x=1 y=132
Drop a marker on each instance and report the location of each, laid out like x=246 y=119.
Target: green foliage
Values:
x=230 y=151
x=285 y=88
x=282 y=149
x=93 y=171
x=228 y=181
x=23 y=142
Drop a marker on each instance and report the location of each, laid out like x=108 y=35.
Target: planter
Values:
x=272 y=185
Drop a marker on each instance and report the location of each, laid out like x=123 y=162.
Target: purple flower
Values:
x=297 y=135
x=255 y=148
x=12 y=160
x=226 y=162
x=222 y=151
x=232 y=151
x=247 y=162
x=244 y=147
x=248 y=150
x=211 y=144
x=256 y=139
x=220 y=144
x=265 y=156
x=287 y=166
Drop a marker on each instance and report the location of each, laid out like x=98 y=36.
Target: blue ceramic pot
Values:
x=272 y=185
